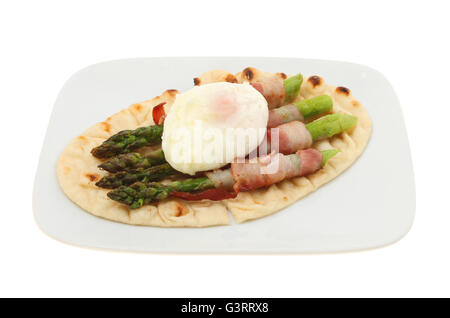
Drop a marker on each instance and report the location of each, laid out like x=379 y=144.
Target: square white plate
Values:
x=370 y=205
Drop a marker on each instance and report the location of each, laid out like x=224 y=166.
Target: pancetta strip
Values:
x=272 y=88
x=274 y=168
x=292 y=136
x=284 y=114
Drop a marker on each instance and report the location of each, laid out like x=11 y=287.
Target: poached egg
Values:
x=209 y=126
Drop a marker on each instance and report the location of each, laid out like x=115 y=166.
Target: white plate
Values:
x=370 y=205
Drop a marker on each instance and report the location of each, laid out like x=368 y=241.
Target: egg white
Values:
x=209 y=126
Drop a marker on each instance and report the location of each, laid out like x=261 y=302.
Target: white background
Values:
x=44 y=42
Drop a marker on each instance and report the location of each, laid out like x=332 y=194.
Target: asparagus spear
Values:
x=133 y=160
x=330 y=125
x=301 y=110
x=292 y=87
x=141 y=193
x=154 y=173
x=328 y=154
x=129 y=140
x=314 y=106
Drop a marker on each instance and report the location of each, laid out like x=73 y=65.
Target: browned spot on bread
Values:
x=343 y=90
x=66 y=169
x=172 y=92
x=355 y=103
x=180 y=209
x=137 y=107
x=106 y=126
x=315 y=80
x=82 y=138
x=231 y=78
x=285 y=198
x=197 y=81
x=248 y=73
x=282 y=75
x=92 y=176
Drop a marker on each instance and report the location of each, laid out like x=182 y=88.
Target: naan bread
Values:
x=77 y=169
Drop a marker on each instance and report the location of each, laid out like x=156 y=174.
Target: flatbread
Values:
x=77 y=169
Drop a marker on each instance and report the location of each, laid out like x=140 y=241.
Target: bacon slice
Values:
x=274 y=168
x=159 y=114
x=210 y=194
x=311 y=161
x=272 y=88
x=284 y=115
x=292 y=136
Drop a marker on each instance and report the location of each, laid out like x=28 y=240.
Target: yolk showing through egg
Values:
x=224 y=106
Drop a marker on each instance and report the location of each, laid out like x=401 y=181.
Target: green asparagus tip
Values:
x=126 y=141
x=328 y=154
x=312 y=107
x=330 y=125
x=138 y=194
x=348 y=121
x=292 y=87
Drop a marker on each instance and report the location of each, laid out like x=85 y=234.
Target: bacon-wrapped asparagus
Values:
x=243 y=176
x=277 y=91
x=302 y=110
x=250 y=176
x=296 y=135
